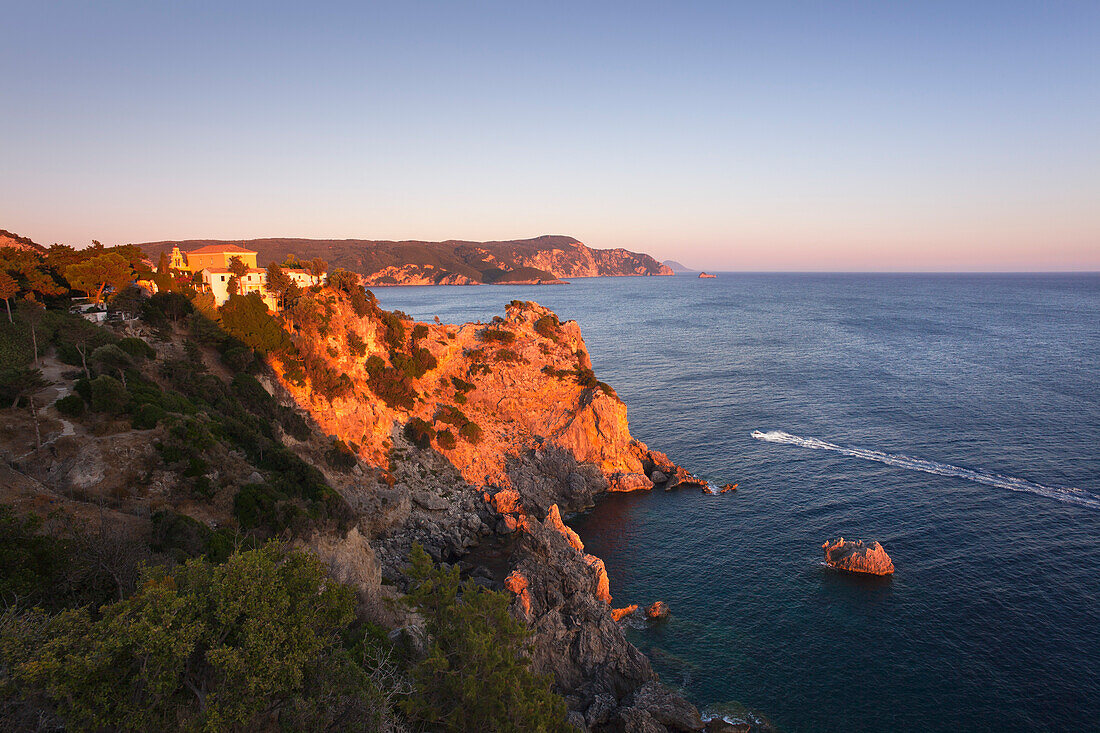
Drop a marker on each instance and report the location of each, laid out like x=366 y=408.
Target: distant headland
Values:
x=546 y=259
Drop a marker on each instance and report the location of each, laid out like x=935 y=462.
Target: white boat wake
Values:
x=1073 y=496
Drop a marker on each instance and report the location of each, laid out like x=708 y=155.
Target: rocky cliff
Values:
x=471 y=440
x=547 y=437
x=543 y=259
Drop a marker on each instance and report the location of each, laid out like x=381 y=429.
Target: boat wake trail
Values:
x=1072 y=496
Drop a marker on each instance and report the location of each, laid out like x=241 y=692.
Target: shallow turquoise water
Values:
x=992 y=620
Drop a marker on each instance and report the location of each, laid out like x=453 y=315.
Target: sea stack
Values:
x=658 y=611
x=857 y=557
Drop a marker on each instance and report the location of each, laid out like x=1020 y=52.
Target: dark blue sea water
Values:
x=973 y=403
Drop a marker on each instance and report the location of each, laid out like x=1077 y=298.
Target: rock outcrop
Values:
x=706 y=275
x=549 y=439
x=657 y=611
x=857 y=557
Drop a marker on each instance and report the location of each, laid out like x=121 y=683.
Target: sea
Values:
x=953 y=418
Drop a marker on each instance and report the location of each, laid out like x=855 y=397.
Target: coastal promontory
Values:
x=540 y=260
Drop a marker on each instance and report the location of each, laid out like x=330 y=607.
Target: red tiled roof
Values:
x=213 y=249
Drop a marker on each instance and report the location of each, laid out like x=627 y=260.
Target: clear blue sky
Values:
x=729 y=135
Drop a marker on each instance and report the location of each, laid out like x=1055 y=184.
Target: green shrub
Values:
x=137 y=348
x=31 y=563
x=461 y=385
x=248 y=632
x=341 y=456
x=356 y=345
x=445 y=439
x=108 y=395
x=416 y=365
x=508 y=355
x=171 y=306
x=419 y=432
x=496 y=334
x=476 y=676
x=391 y=386
x=325 y=379
x=451 y=415
x=548 y=327
x=70 y=406
x=470 y=432
x=248 y=319
x=586 y=378
x=294 y=424
x=83 y=387
x=420 y=331
x=239 y=358
x=395 y=330
x=182 y=538
x=146 y=417
x=261 y=505
x=253 y=395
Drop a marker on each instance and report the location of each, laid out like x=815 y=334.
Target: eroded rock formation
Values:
x=549 y=438
x=857 y=557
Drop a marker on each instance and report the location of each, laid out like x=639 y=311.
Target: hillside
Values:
x=10 y=239
x=542 y=259
x=355 y=435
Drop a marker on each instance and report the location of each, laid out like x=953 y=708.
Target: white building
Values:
x=216 y=281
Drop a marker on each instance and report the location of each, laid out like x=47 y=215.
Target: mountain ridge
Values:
x=546 y=258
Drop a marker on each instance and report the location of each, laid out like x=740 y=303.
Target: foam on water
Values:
x=1073 y=496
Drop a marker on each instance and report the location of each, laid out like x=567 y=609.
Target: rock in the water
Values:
x=657 y=611
x=857 y=557
x=620 y=613
x=728 y=487
x=658 y=477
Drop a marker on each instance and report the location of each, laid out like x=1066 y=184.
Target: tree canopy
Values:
x=95 y=274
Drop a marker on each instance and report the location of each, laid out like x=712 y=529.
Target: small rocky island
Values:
x=857 y=557
x=706 y=274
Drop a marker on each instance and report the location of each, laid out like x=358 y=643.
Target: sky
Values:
x=924 y=136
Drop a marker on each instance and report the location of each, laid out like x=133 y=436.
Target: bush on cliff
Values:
x=445 y=439
x=213 y=647
x=137 y=348
x=70 y=406
x=419 y=432
x=247 y=318
x=356 y=345
x=108 y=395
x=416 y=365
x=393 y=387
x=31 y=563
x=475 y=675
x=395 y=329
x=496 y=334
x=470 y=432
x=548 y=327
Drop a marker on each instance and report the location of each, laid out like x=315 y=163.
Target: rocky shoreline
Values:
x=554 y=440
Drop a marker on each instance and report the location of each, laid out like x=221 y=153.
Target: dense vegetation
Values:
x=258 y=637
x=188 y=625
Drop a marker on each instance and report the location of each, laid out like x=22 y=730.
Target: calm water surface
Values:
x=972 y=404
